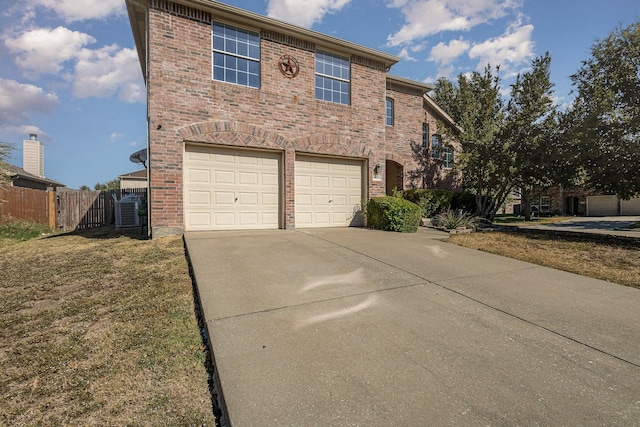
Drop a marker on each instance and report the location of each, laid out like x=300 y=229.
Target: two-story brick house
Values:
x=257 y=123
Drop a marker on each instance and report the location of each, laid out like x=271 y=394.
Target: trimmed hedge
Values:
x=390 y=213
x=431 y=201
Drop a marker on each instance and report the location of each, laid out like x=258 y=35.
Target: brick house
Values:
x=19 y=177
x=257 y=123
x=574 y=200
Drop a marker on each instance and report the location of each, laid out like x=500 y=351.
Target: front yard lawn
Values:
x=612 y=258
x=98 y=328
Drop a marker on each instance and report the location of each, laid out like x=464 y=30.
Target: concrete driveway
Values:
x=356 y=327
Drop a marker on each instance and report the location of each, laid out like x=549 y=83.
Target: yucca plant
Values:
x=451 y=220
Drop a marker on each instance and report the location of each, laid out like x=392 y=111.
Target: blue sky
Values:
x=69 y=70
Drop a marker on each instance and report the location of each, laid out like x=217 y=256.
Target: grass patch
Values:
x=612 y=258
x=98 y=328
x=19 y=231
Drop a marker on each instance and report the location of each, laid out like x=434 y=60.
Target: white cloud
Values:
x=99 y=73
x=18 y=101
x=510 y=50
x=405 y=55
x=45 y=50
x=75 y=10
x=427 y=17
x=104 y=72
x=445 y=54
x=20 y=97
x=446 y=72
x=304 y=13
x=115 y=136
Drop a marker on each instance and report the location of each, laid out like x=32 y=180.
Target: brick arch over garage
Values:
x=233 y=134
x=333 y=145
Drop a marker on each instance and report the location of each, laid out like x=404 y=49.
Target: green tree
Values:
x=486 y=160
x=5 y=149
x=529 y=130
x=601 y=130
x=107 y=186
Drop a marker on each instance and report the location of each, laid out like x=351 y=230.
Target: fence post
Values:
x=52 y=209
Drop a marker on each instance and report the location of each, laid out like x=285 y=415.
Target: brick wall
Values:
x=186 y=105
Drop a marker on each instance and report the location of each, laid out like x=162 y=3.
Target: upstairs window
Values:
x=425 y=136
x=333 y=77
x=389 y=107
x=436 y=145
x=447 y=156
x=236 y=55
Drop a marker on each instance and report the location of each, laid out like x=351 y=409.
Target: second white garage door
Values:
x=328 y=192
x=226 y=189
x=602 y=206
x=630 y=207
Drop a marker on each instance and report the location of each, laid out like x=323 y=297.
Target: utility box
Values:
x=127 y=211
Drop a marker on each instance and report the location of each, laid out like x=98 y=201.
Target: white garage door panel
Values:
x=602 y=205
x=228 y=189
x=328 y=192
x=630 y=207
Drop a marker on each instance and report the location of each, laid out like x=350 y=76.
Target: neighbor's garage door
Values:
x=227 y=189
x=328 y=192
x=630 y=207
x=602 y=205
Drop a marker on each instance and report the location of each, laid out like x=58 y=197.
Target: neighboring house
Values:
x=18 y=177
x=137 y=179
x=605 y=205
x=257 y=123
x=576 y=200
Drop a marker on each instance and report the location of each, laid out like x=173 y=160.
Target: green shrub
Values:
x=431 y=201
x=455 y=219
x=393 y=214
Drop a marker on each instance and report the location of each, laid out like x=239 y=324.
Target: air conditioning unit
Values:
x=127 y=211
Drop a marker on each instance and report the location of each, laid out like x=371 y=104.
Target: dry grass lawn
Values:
x=611 y=258
x=98 y=328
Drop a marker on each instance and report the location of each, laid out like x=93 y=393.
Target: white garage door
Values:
x=602 y=205
x=226 y=189
x=328 y=192
x=630 y=207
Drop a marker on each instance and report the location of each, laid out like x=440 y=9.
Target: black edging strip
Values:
x=218 y=405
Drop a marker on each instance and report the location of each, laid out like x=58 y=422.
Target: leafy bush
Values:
x=431 y=201
x=455 y=219
x=393 y=214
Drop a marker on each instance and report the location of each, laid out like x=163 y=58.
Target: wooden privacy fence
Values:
x=88 y=209
x=68 y=210
x=26 y=204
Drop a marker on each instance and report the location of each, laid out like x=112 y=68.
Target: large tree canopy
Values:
x=529 y=130
x=602 y=128
x=477 y=107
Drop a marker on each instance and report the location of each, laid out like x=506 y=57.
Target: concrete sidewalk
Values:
x=338 y=327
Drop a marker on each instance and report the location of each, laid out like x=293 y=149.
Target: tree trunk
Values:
x=526 y=204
